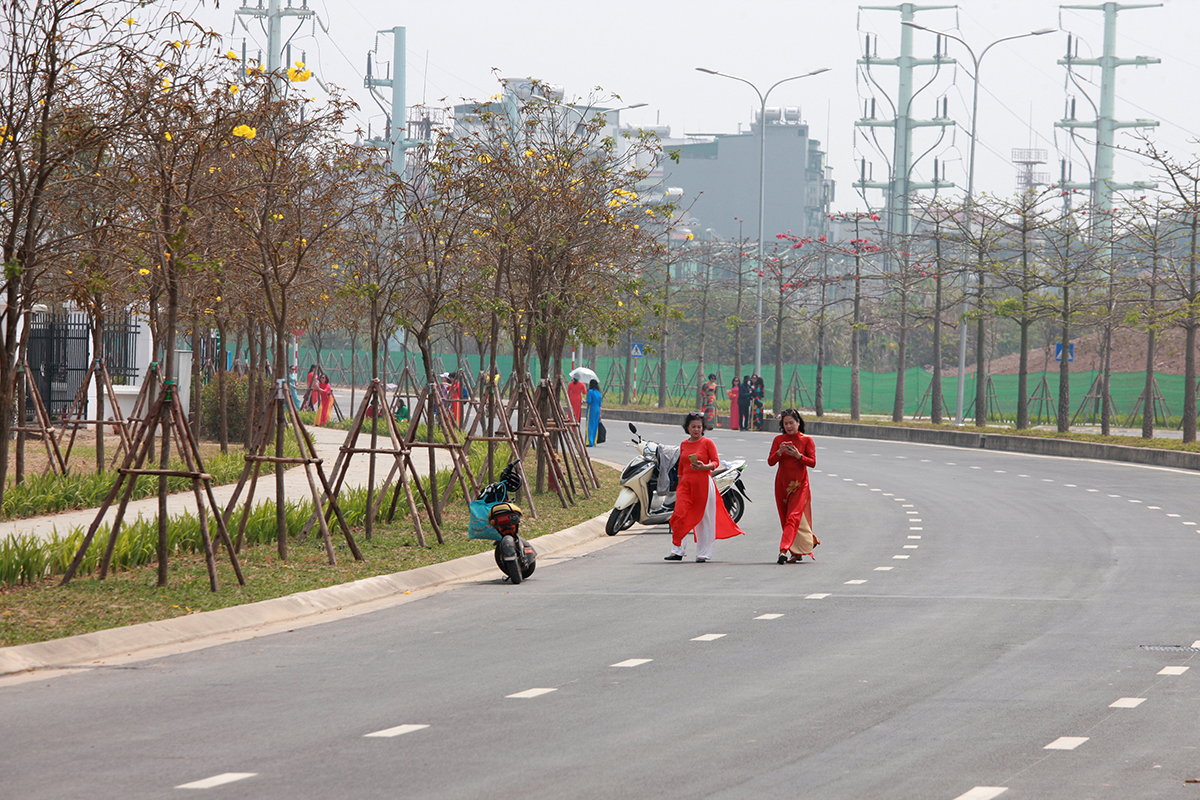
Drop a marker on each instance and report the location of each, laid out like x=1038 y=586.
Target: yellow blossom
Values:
x=232 y=56
x=233 y=88
x=245 y=131
x=143 y=271
x=131 y=21
x=298 y=73
x=167 y=136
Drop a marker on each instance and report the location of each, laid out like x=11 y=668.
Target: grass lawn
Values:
x=45 y=610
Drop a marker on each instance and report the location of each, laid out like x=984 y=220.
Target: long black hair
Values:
x=794 y=414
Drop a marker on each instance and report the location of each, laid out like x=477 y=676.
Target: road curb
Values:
x=87 y=648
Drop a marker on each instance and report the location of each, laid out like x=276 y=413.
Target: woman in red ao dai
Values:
x=794 y=453
x=698 y=504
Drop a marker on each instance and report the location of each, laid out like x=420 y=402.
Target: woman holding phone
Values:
x=698 y=506
x=793 y=453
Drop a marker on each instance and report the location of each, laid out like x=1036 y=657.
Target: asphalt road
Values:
x=976 y=625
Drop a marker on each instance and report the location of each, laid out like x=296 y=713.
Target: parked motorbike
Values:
x=494 y=516
x=648 y=486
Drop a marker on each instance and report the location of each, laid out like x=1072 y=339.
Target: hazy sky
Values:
x=648 y=52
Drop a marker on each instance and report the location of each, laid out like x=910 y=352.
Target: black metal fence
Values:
x=59 y=348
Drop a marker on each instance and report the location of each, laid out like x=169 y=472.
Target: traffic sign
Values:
x=637 y=349
x=1070 y=352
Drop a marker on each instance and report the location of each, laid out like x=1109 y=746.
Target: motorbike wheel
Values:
x=512 y=567
x=528 y=563
x=621 y=519
x=735 y=504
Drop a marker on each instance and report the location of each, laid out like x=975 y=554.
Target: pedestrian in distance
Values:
x=324 y=399
x=793 y=452
x=758 y=391
x=709 y=394
x=699 y=509
x=732 y=394
x=594 y=399
x=575 y=393
x=743 y=398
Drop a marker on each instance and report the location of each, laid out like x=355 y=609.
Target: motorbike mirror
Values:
x=632 y=428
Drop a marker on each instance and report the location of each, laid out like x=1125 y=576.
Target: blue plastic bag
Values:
x=479 y=527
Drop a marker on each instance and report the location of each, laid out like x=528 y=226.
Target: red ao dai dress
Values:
x=793 y=497
x=698 y=505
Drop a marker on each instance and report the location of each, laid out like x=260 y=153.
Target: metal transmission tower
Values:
x=1026 y=158
x=900 y=185
x=395 y=139
x=274 y=15
x=1102 y=184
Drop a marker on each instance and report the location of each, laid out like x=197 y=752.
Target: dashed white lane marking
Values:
x=1022 y=476
x=1189 y=523
x=899 y=556
x=908 y=505
x=976 y=467
x=851 y=480
x=769 y=616
x=1172 y=670
x=399 y=730
x=1173 y=516
x=1047 y=480
x=877 y=490
x=917 y=528
x=708 y=637
x=632 y=662
x=924 y=460
x=831 y=474
x=899 y=499
x=862 y=484
x=815 y=596
x=1093 y=490
x=1127 y=702
x=217 y=780
x=531 y=693
x=1196 y=643
x=1066 y=743
x=912 y=512
x=983 y=793
x=1114 y=495
x=914 y=537
x=911 y=546
x=951 y=464
x=883 y=569
x=1154 y=508
x=1070 y=485
x=888 y=494
x=1000 y=471
x=855 y=583
x=1135 y=501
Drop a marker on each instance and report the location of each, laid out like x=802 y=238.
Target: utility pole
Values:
x=1102 y=184
x=395 y=139
x=900 y=186
x=274 y=15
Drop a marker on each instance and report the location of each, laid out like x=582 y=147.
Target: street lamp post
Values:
x=762 y=173
x=962 y=338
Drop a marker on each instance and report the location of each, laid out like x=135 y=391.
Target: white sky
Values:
x=647 y=53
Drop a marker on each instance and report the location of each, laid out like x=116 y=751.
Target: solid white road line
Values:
x=708 y=637
x=983 y=793
x=1066 y=743
x=532 y=693
x=632 y=662
x=1127 y=702
x=217 y=780
x=1172 y=670
x=399 y=730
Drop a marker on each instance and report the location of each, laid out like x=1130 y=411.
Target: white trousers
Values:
x=706 y=531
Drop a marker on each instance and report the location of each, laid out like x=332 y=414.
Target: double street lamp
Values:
x=962 y=340
x=762 y=162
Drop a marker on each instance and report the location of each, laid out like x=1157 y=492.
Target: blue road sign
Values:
x=637 y=349
x=1070 y=352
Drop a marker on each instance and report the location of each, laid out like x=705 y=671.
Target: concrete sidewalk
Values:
x=327 y=441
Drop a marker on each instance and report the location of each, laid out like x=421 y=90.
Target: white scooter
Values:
x=648 y=487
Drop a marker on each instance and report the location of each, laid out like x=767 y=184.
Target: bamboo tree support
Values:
x=919 y=412
x=1159 y=407
x=577 y=464
x=681 y=389
x=534 y=431
x=430 y=406
x=55 y=463
x=615 y=377
x=993 y=401
x=308 y=457
x=173 y=422
x=797 y=390
x=74 y=416
x=406 y=386
x=1094 y=396
x=374 y=398
x=1043 y=400
x=492 y=420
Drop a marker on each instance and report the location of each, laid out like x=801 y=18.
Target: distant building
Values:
x=719 y=177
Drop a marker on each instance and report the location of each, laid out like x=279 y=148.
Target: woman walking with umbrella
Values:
x=593 y=403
